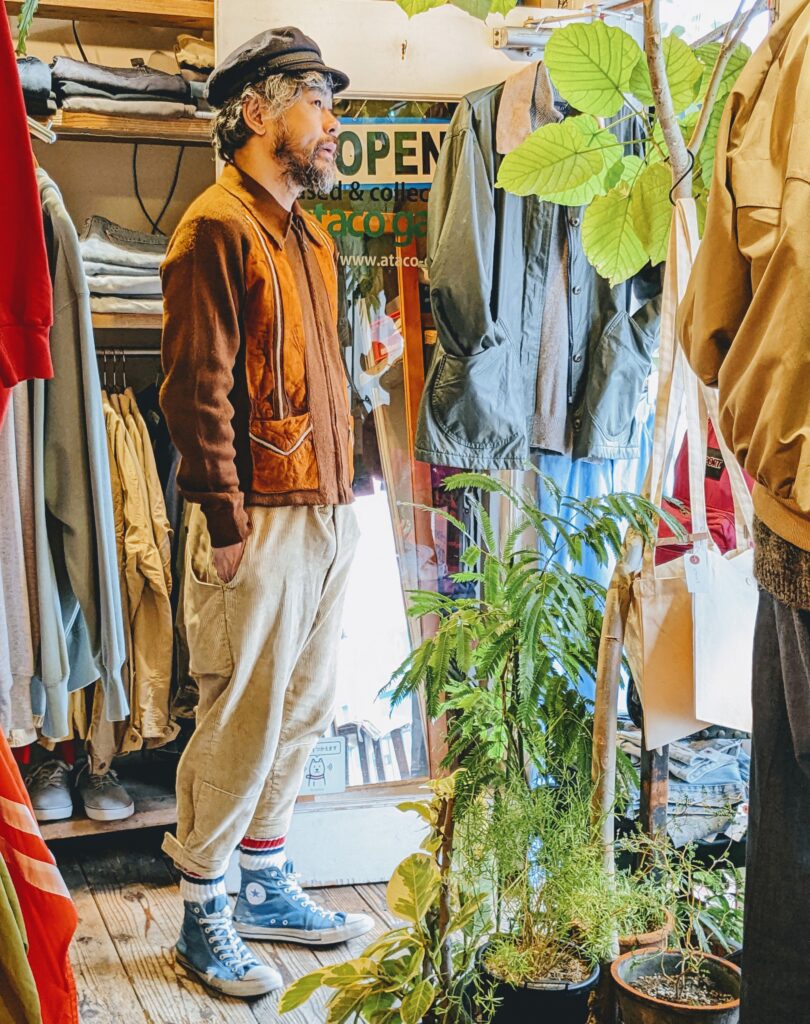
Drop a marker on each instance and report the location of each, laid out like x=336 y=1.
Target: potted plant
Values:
x=688 y=981
x=532 y=849
x=411 y=974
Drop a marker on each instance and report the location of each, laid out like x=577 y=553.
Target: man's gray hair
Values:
x=278 y=92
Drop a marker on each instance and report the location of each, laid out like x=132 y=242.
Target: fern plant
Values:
x=506 y=666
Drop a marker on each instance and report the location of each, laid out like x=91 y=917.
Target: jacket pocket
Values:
x=617 y=372
x=475 y=401
x=759 y=212
x=283 y=454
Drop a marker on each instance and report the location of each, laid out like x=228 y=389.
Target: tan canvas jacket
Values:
x=745 y=319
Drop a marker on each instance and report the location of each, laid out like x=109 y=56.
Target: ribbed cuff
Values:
x=227 y=524
x=781 y=568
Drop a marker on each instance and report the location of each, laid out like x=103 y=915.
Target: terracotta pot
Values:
x=638 y=1008
x=648 y=940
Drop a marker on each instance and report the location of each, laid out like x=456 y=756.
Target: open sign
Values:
x=379 y=150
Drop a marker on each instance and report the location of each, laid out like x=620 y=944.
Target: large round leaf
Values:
x=412 y=7
x=652 y=211
x=608 y=235
x=684 y=74
x=566 y=159
x=591 y=64
x=414 y=887
x=477 y=8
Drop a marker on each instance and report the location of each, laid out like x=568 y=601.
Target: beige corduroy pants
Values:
x=263 y=650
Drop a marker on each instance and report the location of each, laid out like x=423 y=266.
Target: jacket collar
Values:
x=267 y=210
x=529 y=91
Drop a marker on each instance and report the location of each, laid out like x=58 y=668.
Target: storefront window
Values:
x=377 y=217
x=697 y=18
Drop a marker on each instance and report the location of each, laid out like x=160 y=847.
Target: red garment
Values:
x=48 y=911
x=719 y=502
x=26 y=302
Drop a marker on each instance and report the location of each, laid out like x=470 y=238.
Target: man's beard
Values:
x=301 y=169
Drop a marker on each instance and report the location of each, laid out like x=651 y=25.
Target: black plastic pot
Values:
x=639 y=1008
x=541 y=1002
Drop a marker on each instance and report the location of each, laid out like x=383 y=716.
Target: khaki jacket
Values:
x=745 y=319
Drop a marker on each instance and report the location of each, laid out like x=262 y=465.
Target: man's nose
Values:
x=331 y=125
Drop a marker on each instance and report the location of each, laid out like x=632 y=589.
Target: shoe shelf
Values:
x=183 y=14
x=77 y=126
x=155 y=805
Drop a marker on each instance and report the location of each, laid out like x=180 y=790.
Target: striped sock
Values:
x=257 y=854
x=196 y=889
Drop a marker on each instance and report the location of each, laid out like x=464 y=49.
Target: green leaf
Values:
x=301 y=990
x=503 y=6
x=641 y=84
x=708 y=54
x=477 y=8
x=377 y=1008
x=27 y=12
x=417 y=1002
x=350 y=972
x=554 y=158
x=413 y=7
x=652 y=211
x=684 y=72
x=344 y=1003
x=422 y=808
x=591 y=64
x=685 y=75
x=608 y=236
x=414 y=887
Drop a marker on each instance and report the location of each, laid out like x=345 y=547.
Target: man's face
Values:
x=305 y=142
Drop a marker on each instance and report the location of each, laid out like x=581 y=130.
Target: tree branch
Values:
x=678 y=155
x=733 y=36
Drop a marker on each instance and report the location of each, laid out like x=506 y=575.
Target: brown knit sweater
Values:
x=782 y=569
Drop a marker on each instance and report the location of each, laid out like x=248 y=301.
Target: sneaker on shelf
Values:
x=48 y=786
x=272 y=906
x=104 y=798
x=210 y=950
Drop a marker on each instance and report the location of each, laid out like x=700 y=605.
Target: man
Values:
x=255 y=399
x=745 y=325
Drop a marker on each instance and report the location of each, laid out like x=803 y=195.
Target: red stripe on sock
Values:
x=262 y=845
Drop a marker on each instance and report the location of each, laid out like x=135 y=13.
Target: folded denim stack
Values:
x=37 y=87
x=122 y=267
x=708 y=787
x=195 y=58
x=131 y=92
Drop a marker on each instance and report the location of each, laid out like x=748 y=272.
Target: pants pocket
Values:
x=206 y=626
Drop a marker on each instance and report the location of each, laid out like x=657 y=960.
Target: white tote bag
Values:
x=689 y=636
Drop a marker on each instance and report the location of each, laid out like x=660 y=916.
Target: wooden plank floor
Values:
x=130 y=910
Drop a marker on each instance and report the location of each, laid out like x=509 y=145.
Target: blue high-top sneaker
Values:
x=272 y=906
x=211 y=950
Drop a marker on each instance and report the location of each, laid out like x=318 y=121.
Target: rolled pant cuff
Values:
x=186 y=862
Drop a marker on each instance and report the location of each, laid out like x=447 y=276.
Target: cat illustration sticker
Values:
x=326 y=768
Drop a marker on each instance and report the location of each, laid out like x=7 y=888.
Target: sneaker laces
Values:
x=48 y=774
x=98 y=781
x=292 y=887
x=226 y=944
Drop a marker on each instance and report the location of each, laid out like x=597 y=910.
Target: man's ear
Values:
x=253 y=111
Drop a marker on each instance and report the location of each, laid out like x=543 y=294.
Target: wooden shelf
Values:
x=154 y=806
x=128 y=321
x=188 y=131
x=198 y=14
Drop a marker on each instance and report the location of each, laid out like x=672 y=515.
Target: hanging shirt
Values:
x=25 y=285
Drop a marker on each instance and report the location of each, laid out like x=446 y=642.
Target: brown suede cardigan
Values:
x=255 y=394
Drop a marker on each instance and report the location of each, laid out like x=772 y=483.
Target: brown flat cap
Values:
x=278 y=51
